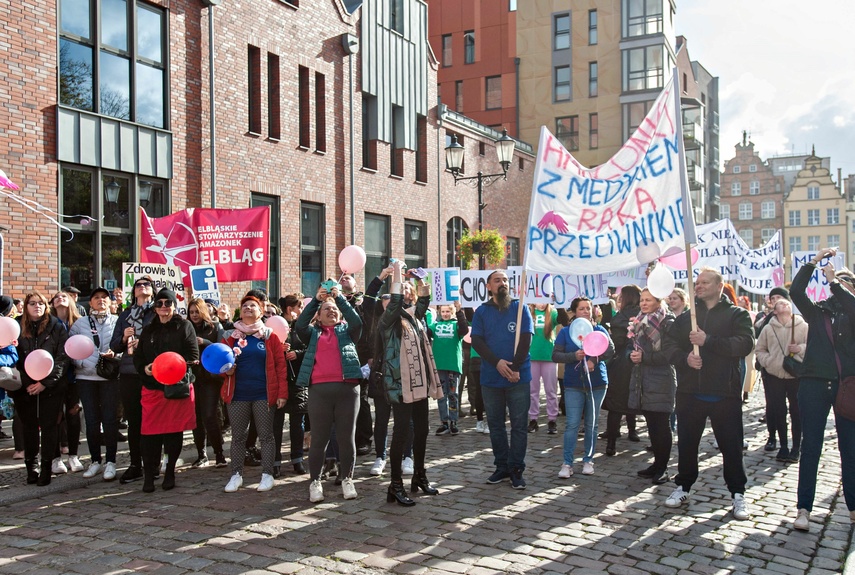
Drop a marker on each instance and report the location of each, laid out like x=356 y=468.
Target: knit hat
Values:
x=166 y=293
x=780 y=291
x=6 y=305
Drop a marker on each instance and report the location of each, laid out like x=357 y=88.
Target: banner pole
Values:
x=520 y=312
x=690 y=283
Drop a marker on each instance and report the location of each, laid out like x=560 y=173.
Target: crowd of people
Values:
x=659 y=360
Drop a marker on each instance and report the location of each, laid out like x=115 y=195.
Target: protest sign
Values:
x=444 y=285
x=760 y=269
x=818 y=288
x=162 y=276
x=203 y=282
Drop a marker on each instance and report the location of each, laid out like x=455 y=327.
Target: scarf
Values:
x=648 y=336
x=135 y=318
x=243 y=331
x=419 y=378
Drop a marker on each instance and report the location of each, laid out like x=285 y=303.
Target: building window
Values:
x=458 y=96
x=747 y=236
x=396 y=15
x=415 y=244
x=645 y=68
x=592 y=27
x=126 y=48
x=735 y=189
x=813 y=217
x=312 y=226
x=396 y=151
x=562 y=87
x=767 y=210
x=593 y=131
x=794 y=218
x=271 y=285
x=753 y=187
x=724 y=211
x=644 y=17
x=813 y=243
x=512 y=248
x=746 y=211
x=833 y=240
x=766 y=234
x=421 y=150
x=453 y=232
x=567 y=131
x=469 y=47
x=512 y=5
x=493 y=92
x=752 y=168
x=369 y=132
x=795 y=244
x=320 y=113
x=813 y=192
x=274 y=129
x=593 y=79
x=305 y=108
x=446 y=50
x=737 y=169
x=254 y=82
x=832 y=216
x=561 y=31
x=634 y=115
x=377 y=243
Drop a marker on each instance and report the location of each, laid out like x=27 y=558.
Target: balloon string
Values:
x=36 y=207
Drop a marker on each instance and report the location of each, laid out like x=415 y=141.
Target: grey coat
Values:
x=86 y=368
x=653 y=384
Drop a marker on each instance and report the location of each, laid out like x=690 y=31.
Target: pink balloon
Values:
x=351 y=259
x=306 y=301
x=38 y=365
x=677 y=260
x=9 y=331
x=279 y=326
x=595 y=343
x=79 y=347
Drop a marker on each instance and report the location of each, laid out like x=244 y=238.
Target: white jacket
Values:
x=85 y=368
x=772 y=345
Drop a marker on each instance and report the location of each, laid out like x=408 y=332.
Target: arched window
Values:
x=453 y=232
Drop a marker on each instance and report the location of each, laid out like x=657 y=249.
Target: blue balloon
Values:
x=218 y=358
x=579 y=328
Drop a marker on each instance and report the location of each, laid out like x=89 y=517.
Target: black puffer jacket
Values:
x=620 y=367
x=730 y=337
x=52 y=339
x=820 y=362
x=298 y=397
x=653 y=384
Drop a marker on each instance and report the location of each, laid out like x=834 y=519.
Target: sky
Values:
x=786 y=72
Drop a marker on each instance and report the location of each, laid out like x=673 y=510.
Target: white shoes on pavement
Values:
x=58 y=467
x=109 y=471
x=74 y=464
x=316 y=491
x=566 y=471
x=266 y=483
x=740 y=510
x=677 y=498
x=407 y=466
x=378 y=467
x=348 y=490
x=802 y=522
x=234 y=483
x=93 y=470
x=588 y=468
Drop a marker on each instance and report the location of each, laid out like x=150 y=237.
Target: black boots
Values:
x=151 y=466
x=399 y=494
x=32 y=471
x=44 y=474
x=420 y=481
x=611 y=447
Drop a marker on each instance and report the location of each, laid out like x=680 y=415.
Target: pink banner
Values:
x=236 y=241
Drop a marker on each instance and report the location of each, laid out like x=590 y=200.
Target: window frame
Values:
x=570 y=134
x=469 y=47
x=562 y=85
x=746 y=211
x=565 y=35
x=593 y=79
x=593 y=32
x=487 y=92
x=311 y=248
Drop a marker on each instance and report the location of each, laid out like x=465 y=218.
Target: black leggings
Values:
x=778 y=393
x=402 y=414
x=659 y=430
x=207 y=418
x=40 y=416
x=476 y=400
x=150 y=446
x=613 y=424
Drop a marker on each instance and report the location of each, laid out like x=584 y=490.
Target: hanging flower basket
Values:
x=488 y=243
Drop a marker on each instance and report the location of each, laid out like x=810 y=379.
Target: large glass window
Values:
x=813 y=192
x=593 y=131
x=567 y=131
x=592 y=27
x=833 y=240
x=469 y=47
x=813 y=243
x=312 y=225
x=766 y=234
x=396 y=18
x=645 y=68
x=561 y=31
x=415 y=244
x=767 y=209
x=562 y=87
x=832 y=216
x=453 y=232
x=634 y=114
x=512 y=247
x=272 y=283
x=593 y=79
x=643 y=17
x=125 y=49
x=494 y=92
x=724 y=211
x=754 y=187
x=446 y=50
x=813 y=217
x=746 y=211
x=736 y=189
x=377 y=244
x=795 y=244
x=795 y=218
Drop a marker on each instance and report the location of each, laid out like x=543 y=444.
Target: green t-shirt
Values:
x=541 y=348
x=447 y=345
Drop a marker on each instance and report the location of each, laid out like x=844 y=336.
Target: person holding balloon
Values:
x=207 y=386
x=64 y=307
x=42 y=362
x=584 y=349
x=297 y=405
x=653 y=383
x=166 y=346
x=11 y=381
x=100 y=396
x=255 y=386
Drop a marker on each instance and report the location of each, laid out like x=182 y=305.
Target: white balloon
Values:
x=660 y=282
x=647 y=253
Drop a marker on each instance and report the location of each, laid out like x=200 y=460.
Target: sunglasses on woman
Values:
x=163 y=303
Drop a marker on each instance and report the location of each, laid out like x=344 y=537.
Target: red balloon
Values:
x=169 y=368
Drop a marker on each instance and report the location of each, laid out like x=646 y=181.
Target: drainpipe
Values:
x=210 y=4
x=517 y=107
x=350 y=43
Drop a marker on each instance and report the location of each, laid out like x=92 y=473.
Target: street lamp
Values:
x=454 y=161
x=145 y=192
x=112 y=190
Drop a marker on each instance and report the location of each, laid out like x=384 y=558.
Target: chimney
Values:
x=840 y=180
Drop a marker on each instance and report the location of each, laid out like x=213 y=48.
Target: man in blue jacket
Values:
x=709 y=385
x=505 y=376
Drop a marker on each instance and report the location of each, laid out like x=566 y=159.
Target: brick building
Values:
x=107 y=111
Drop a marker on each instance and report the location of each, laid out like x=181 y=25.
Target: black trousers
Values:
x=130 y=390
x=475 y=398
x=207 y=418
x=613 y=424
x=778 y=393
x=402 y=414
x=364 y=423
x=659 y=430
x=39 y=415
x=725 y=416
x=150 y=446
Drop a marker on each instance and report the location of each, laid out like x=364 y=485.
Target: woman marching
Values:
x=207 y=387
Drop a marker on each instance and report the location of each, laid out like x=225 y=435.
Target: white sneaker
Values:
x=347 y=488
x=802 y=522
x=566 y=471
x=74 y=464
x=266 y=483
x=588 y=468
x=378 y=467
x=486 y=428
x=677 y=498
x=316 y=491
x=94 y=469
x=479 y=427
x=109 y=471
x=234 y=483
x=740 y=510
x=407 y=466
x=58 y=467
x=163 y=463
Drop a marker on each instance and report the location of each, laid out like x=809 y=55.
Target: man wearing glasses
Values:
x=125 y=341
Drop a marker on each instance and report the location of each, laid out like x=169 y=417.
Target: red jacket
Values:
x=276 y=368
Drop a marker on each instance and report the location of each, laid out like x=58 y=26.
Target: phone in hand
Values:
x=417 y=273
x=330 y=285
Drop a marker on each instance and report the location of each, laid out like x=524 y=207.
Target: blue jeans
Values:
x=382 y=413
x=514 y=401
x=100 y=401
x=816 y=396
x=448 y=405
x=576 y=401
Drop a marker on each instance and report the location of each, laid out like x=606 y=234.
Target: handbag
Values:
x=107 y=367
x=10 y=379
x=180 y=390
x=792 y=366
x=844 y=402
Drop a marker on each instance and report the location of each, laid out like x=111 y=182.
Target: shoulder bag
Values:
x=108 y=367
